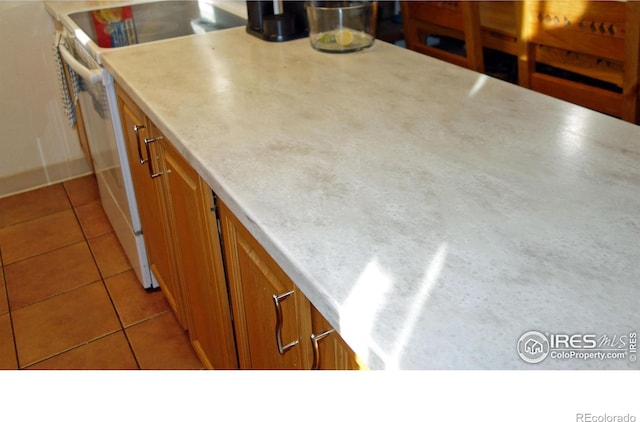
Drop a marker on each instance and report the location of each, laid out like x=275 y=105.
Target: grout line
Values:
x=69 y=349
x=44 y=253
x=142 y=321
x=10 y=312
x=126 y=336
x=75 y=213
x=93 y=340
x=52 y=296
x=35 y=218
x=95 y=260
x=122 y=327
x=69 y=203
x=54 y=249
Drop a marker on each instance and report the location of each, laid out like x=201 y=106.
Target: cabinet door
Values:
x=199 y=262
x=144 y=162
x=329 y=350
x=272 y=318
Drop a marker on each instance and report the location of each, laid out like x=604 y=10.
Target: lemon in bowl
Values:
x=344 y=37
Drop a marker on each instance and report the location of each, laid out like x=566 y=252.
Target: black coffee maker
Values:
x=274 y=20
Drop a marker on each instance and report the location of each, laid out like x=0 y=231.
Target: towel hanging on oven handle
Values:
x=68 y=98
x=93 y=76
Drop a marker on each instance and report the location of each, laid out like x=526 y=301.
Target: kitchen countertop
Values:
x=432 y=214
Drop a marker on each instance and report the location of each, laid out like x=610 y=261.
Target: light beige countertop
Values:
x=432 y=214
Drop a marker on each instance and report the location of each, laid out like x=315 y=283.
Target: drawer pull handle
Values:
x=147 y=141
x=136 y=129
x=276 y=300
x=315 y=339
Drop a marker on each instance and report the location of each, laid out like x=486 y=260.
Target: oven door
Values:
x=116 y=192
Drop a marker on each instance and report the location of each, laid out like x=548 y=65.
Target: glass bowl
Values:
x=341 y=26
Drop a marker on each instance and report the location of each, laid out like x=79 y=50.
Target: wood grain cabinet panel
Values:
x=180 y=232
x=256 y=281
x=268 y=309
x=150 y=198
x=200 y=268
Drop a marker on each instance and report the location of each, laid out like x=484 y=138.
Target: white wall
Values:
x=37 y=145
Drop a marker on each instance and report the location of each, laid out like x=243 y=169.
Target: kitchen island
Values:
x=433 y=215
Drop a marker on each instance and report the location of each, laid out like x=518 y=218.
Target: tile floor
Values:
x=68 y=296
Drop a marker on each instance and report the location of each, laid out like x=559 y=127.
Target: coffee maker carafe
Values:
x=277 y=20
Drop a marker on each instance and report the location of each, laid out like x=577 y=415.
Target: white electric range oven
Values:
x=151 y=21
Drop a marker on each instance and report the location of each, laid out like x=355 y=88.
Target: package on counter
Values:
x=115 y=27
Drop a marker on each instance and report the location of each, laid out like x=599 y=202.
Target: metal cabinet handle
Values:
x=276 y=300
x=147 y=141
x=136 y=129
x=315 y=339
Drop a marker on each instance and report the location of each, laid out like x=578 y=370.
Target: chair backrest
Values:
x=585 y=52
x=499 y=20
x=454 y=19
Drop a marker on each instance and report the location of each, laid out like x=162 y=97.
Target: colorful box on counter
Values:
x=115 y=27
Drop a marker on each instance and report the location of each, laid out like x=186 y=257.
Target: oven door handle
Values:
x=93 y=76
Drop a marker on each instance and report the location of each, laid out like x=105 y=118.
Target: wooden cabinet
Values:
x=254 y=317
x=272 y=318
x=181 y=236
x=329 y=349
x=200 y=267
x=150 y=194
x=276 y=326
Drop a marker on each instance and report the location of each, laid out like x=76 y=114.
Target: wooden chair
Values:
x=499 y=22
x=459 y=20
x=584 y=52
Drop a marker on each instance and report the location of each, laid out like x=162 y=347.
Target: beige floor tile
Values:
x=7 y=349
x=160 y=343
x=132 y=302
x=110 y=352
x=93 y=220
x=33 y=204
x=109 y=255
x=82 y=190
x=41 y=235
x=52 y=326
x=46 y=275
x=4 y=303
